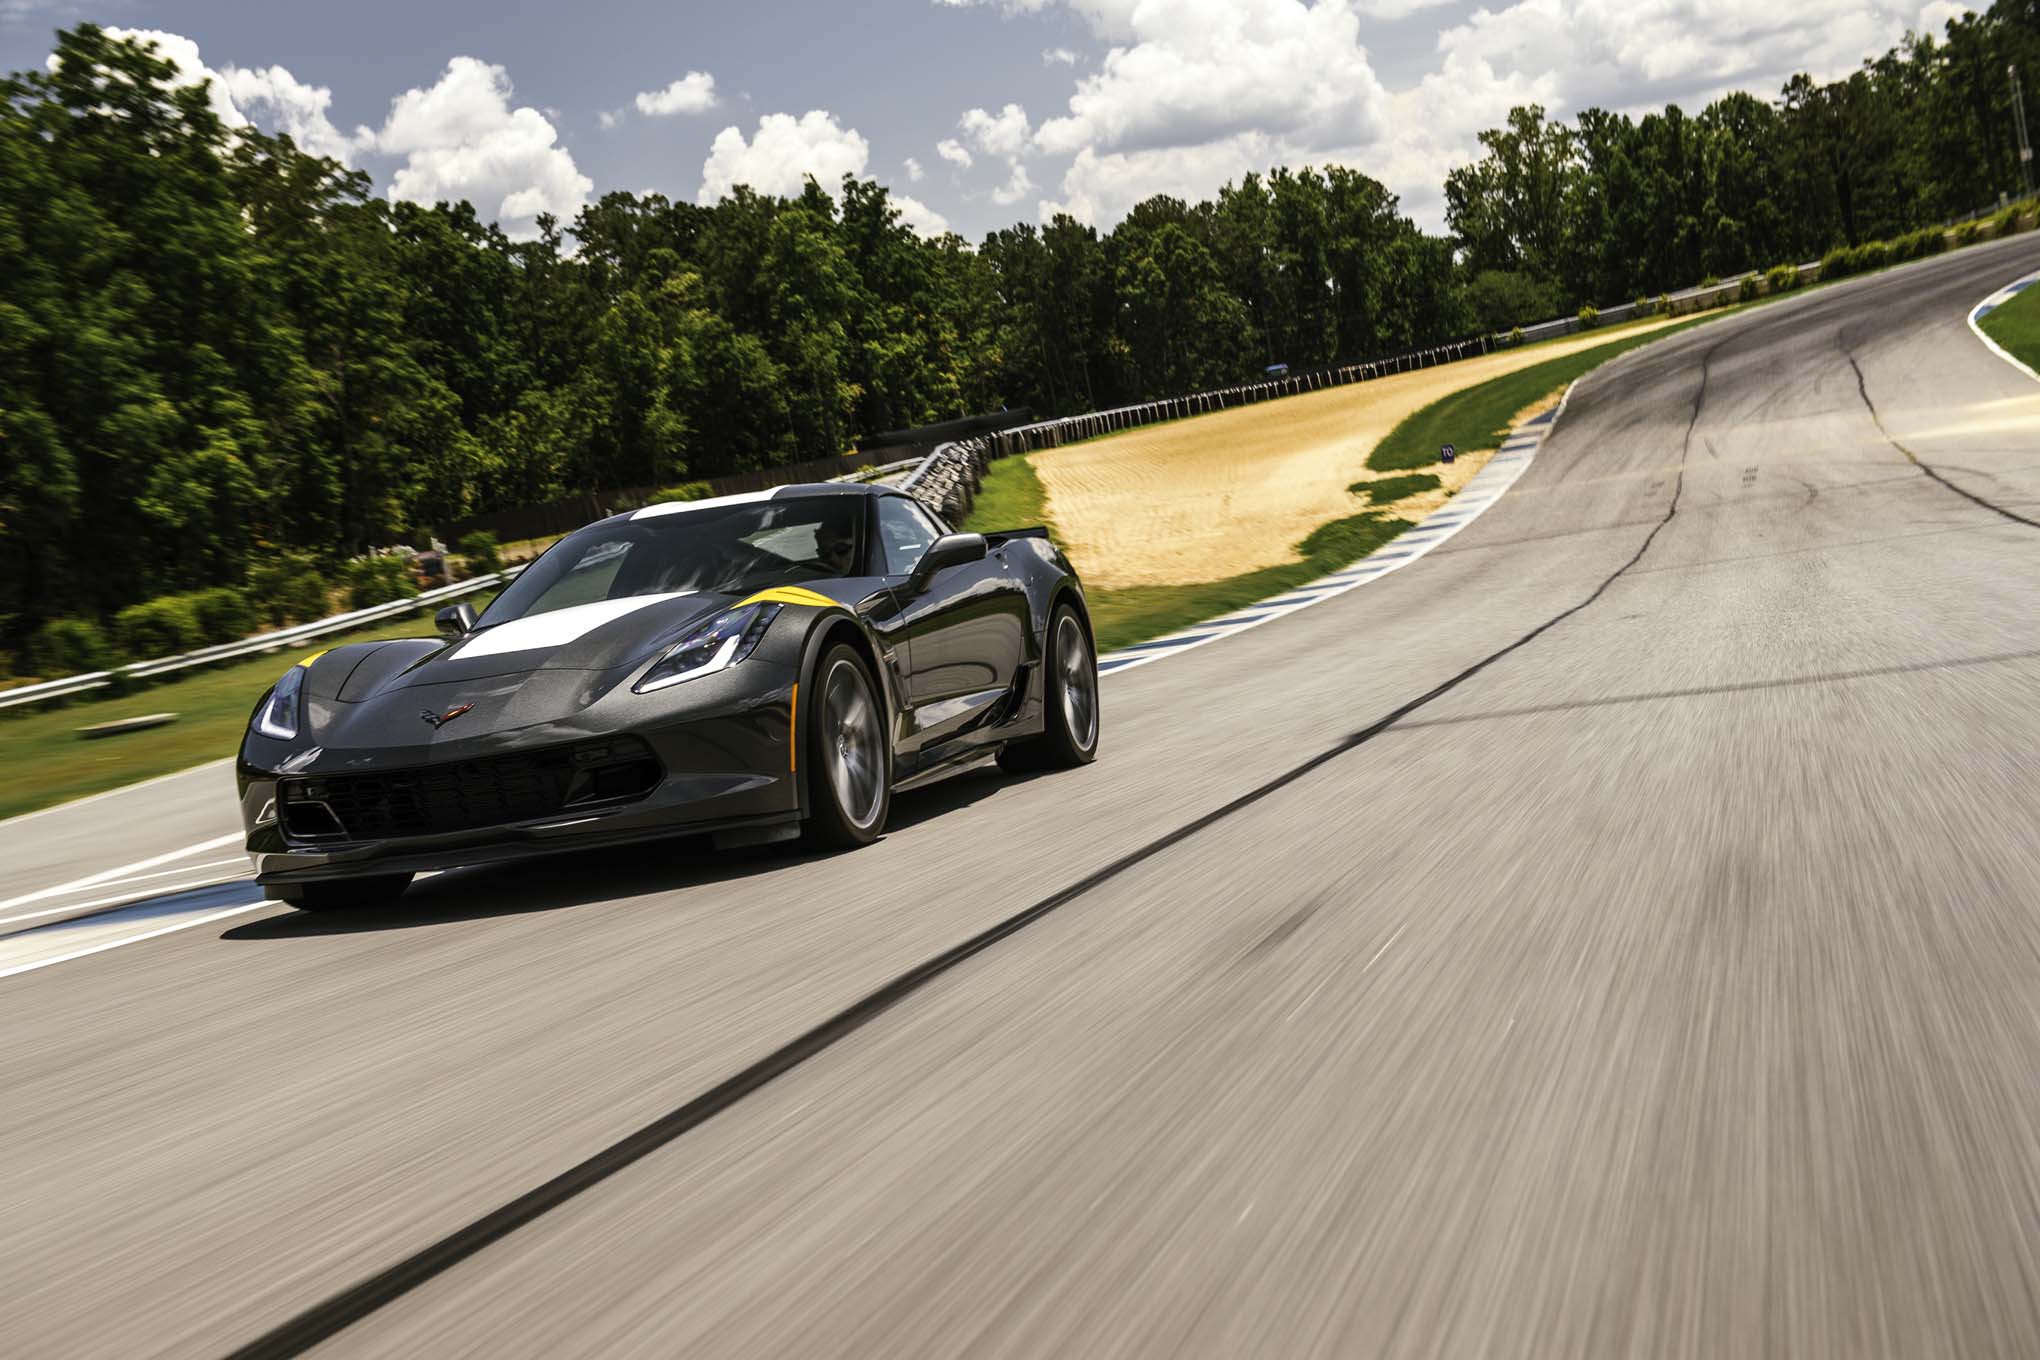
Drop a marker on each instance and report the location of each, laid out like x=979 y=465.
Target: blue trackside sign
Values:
x=1447 y=454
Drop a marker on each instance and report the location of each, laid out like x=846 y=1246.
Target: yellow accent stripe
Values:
x=793 y=729
x=790 y=595
x=314 y=656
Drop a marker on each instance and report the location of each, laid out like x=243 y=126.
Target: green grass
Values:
x=1390 y=489
x=1136 y=613
x=1478 y=418
x=1011 y=497
x=2016 y=326
x=44 y=761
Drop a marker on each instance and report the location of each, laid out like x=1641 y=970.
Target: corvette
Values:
x=757 y=668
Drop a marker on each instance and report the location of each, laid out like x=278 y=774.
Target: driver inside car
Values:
x=836 y=548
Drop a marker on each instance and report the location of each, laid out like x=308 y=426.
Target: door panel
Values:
x=965 y=630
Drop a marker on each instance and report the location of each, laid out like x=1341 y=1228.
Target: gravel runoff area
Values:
x=1216 y=495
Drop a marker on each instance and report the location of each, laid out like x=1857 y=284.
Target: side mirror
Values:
x=456 y=620
x=950 y=550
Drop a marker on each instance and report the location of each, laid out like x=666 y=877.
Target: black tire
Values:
x=1070 y=717
x=344 y=894
x=848 y=752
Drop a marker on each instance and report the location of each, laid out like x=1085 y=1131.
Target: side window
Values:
x=904 y=532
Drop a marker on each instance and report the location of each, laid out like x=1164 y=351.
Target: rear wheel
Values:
x=342 y=894
x=1069 y=734
x=849 y=755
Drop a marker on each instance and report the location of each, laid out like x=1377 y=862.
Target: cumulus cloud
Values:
x=951 y=150
x=914 y=170
x=461 y=138
x=1004 y=133
x=1058 y=56
x=182 y=53
x=1194 y=92
x=291 y=107
x=919 y=217
x=783 y=153
x=692 y=93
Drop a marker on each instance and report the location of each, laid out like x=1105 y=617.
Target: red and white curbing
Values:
x=1485 y=488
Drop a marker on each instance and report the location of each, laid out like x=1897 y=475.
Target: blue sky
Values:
x=977 y=113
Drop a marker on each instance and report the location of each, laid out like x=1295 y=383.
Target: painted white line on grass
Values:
x=121 y=871
x=1992 y=303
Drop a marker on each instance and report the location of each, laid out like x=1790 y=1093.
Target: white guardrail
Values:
x=253 y=646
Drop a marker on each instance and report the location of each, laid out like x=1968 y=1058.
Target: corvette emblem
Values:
x=439 y=720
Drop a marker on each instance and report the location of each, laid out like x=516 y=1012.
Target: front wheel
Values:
x=849 y=755
x=342 y=894
x=1069 y=735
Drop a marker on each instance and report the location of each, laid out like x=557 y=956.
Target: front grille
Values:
x=468 y=794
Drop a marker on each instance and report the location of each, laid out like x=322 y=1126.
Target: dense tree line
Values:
x=1608 y=207
x=217 y=352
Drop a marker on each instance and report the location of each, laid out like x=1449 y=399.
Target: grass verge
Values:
x=43 y=760
x=1478 y=417
x=1010 y=497
x=2016 y=326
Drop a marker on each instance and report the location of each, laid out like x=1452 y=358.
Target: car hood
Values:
x=539 y=669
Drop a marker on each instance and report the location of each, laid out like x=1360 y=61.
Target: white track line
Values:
x=128 y=898
x=112 y=918
x=1991 y=303
x=122 y=871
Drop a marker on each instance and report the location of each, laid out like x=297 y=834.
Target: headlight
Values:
x=278 y=716
x=717 y=645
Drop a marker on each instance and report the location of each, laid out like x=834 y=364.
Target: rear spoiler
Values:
x=1004 y=535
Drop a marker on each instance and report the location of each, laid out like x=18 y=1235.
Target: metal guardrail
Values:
x=253 y=646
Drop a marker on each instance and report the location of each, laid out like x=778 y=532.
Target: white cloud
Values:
x=914 y=170
x=608 y=119
x=1004 y=133
x=692 y=93
x=1058 y=56
x=293 y=108
x=783 y=153
x=919 y=217
x=1195 y=92
x=182 y=53
x=1017 y=186
x=462 y=139
x=951 y=150
x=285 y=103
x=1206 y=70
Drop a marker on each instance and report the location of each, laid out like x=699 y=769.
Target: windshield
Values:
x=728 y=550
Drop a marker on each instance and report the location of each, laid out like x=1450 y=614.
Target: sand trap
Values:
x=1216 y=495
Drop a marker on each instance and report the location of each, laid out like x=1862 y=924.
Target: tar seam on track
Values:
x=334 y=1314
x=1863 y=391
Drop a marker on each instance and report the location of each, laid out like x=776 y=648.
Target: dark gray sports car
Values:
x=756 y=667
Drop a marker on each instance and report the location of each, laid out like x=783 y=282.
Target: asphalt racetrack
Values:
x=1618 y=933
